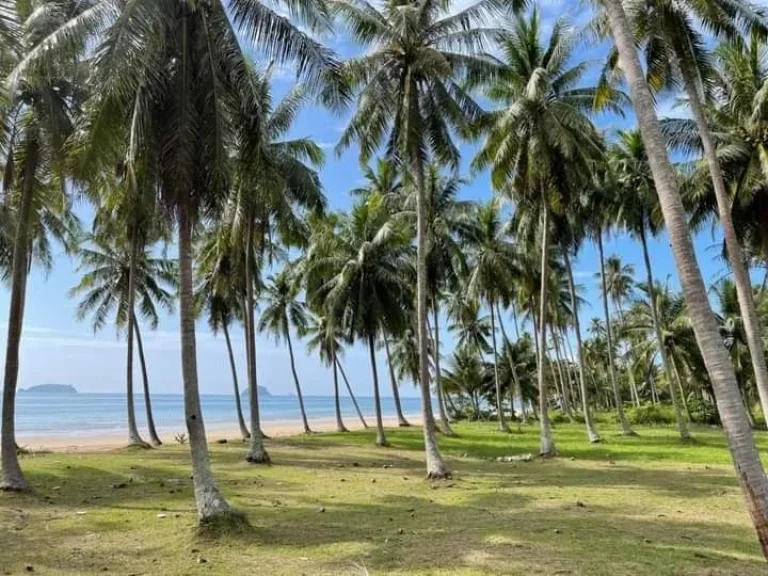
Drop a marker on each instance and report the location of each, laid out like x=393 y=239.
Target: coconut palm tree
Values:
x=325 y=339
x=35 y=121
x=602 y=206
x=629 y=170
x=179 y=96
x=284 y=312
x=466 y=376
x=674 y=49
x=357 y=273
x=619 y=281
x=492 y=269
x=446 y=220
x=541 y=128
x=110 y=271
x=217 y=295
x=410 y=95
x=275 y=184
x=750 y=472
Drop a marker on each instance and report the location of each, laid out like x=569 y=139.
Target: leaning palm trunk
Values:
x=339 y=422
x=547 y=443
x=257 y=453
x=681 y=426
x=153 y=437
x=444 y=420
x=134 y=438
x=626 y=429
x=401 y=421
x=210 y=503
x=503 y=427
x=735 y=253
x=351 y=394
x=307 y=429
x=741 y=443
x=381 y=439
x=11 y=476
x=238 y=404
x=436 y=467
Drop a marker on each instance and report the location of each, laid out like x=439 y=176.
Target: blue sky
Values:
x=57 y=348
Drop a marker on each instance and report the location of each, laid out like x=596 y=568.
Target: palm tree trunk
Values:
x=307 y=430
x=153 y=437
x=514 y=320
x=626 y=429
x=547 y=443
x=238 y=404
x=684 y=434
x=535 y=330
x=561 y=373
x=741 y=443
x=257 y=453
x=569 y=373
x=11 y=476
x=436 y=467
x=679 y=382
x=518 y=392
x=381 y=439
x=444 y=421
x=735 y=254
x=351 y=394
x=401 y=421
x=134 y=438
x=339 y=422
x=210 y=503
x=499 y=404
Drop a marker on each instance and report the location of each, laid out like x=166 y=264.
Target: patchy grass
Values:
x=336 y=504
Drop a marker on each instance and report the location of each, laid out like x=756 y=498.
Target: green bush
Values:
x=650 y=415
x=703 y=412
x=563 y=418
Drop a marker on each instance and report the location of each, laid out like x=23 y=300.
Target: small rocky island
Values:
x=49 y=389
x=263 y=392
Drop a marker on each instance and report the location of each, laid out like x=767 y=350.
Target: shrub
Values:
x=650 y=415
x=703 y=412
x=181 y=438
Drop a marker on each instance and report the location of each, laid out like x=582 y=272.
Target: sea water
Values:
x=63 y=415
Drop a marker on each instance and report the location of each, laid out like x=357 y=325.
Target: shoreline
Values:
x=111 y=440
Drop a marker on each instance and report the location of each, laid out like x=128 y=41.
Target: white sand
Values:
x=110 y=441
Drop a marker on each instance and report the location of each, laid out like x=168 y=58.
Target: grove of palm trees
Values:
x=523 y=238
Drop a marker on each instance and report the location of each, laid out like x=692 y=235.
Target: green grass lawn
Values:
x=336 y=504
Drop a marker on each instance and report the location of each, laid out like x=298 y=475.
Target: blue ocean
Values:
x=64 y=415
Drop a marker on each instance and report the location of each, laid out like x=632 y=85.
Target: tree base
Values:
x=16 y=485
x=439 y=474
x=138 y=445
x=258 y=457
x=629 y=432
x=224 y=524
x=595 y=440
x=404 y=424
x=157 y=442
x=380 y=442
x=341 y=429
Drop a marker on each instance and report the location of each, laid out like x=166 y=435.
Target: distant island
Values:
x=263 y=392
x=49 y=389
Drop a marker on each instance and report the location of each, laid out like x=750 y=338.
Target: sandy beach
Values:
x=117 y=439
